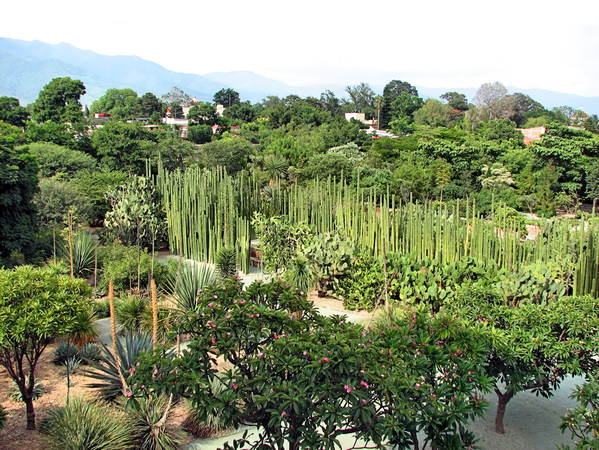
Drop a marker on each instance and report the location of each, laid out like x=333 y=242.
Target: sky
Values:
x=551 y=45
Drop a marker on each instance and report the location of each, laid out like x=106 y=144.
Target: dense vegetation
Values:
x=425 y=225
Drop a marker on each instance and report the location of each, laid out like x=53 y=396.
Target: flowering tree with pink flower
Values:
x=304 y=380
x=533 y=346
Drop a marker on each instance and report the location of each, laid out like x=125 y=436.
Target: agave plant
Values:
x=64 y=351
x=82 y=425
x=148 y=418
x=190 y=280
x=91 y=352
x=105 y=370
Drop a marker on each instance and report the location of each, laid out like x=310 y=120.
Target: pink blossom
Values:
x=418 y=384
x=347 y=388
x=283 y=413
x=128 y=393
x=326 y=359
x=362 y=383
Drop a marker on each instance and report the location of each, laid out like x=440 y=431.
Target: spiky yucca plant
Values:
x=149 y=420
x=189 y=281
x=82 y=425
x=64 y=351
x=226 y=262
x=86 y=329
x=91 y=352
x=301 y=274
x=84 y=253
x=129 y=313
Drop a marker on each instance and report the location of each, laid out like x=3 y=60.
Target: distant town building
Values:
x=532 y=134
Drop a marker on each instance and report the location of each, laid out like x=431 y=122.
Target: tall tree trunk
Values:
x=502 y=401
x=28 y=399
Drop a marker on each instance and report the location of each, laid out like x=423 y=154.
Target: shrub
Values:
x=332 y=255
x=301 y=273
x=102 y=308
x=189 y=282
x=83 y=425
x=84 y=254
x=199 y=134
x=119 y=264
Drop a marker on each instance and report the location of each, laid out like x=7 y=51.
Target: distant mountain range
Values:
x=26 y=66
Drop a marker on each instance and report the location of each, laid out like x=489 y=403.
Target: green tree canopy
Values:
x=18 y=184
x=122 y=146
x=391 y=92
x=36 y=307
x=226 y=97
x=58 y=101
x=231 y=153
x=455 y=100
x=12 y=112
x=120 y=103
x=203 y=114
x=149 y=104
x=54 y=199
x=175 y=99
x=362 y=97
x=54 y=159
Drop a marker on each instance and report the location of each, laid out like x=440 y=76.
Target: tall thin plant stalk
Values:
x=154 y=314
